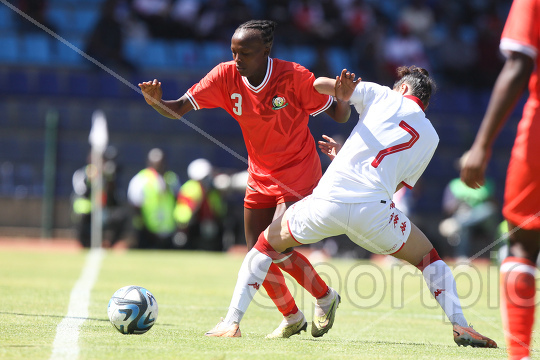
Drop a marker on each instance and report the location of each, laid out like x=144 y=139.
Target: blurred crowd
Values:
x=456 y=39
x=160 y=211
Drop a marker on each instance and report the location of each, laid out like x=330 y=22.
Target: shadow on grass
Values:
x=67 y=317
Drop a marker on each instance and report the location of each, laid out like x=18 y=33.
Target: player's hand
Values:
x=473 y=167
x=152 y=92
x=329 y=147
x=345 y=85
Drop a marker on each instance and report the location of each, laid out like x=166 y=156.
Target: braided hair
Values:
x=421 y=85
x=264 y=27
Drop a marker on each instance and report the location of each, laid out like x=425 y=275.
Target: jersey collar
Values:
x=265 y=81
x=416 y=100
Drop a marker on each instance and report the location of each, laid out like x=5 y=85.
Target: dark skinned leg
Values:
x=524 y=243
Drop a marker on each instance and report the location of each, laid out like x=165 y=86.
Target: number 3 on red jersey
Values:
x=238 y=104
x=399 y=147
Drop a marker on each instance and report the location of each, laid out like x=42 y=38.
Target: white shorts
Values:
x=378 y=227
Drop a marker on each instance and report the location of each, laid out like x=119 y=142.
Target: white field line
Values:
x=66 y=342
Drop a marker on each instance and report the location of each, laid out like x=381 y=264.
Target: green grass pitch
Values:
x=385 y=313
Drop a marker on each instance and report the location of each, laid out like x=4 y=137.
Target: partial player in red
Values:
x=520 y=43
x=271 y=99
x=389 y=148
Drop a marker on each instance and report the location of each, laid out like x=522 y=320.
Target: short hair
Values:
x=265 y=27
x=421 y=84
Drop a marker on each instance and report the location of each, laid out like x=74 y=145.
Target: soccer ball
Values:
x=132 y=310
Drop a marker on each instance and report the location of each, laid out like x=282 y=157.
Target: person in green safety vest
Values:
x=152 y=195
x=470 y=211
x=200 y=209
x=115 y=214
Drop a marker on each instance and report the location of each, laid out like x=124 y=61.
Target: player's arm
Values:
x=508 y=88
x=173 y=109
x=340 y=110
x=325 y=86
x=341 y=88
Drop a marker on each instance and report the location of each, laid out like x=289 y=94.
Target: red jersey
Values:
x=274 y=119
x=522 y=191
x=522 y=34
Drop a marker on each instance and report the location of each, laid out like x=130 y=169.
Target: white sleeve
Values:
x=135 y=191
x=367 y=93
x=357 y=97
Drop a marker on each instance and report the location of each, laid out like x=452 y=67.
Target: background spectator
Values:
x=114 y=212
x=106 y=41
x=152 y=194
x=472 y=215
x=36 y=9
x=200 y=209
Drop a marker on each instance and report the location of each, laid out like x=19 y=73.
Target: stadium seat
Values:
x=304 y=55
x=48 y=83
x=118 y=120
x=85 y=20
x=9 y=48
x=72 y=150
x=156 y=55
x=80 y=84
x=35 y=49
x=108 y=86
x=62 y=18
x=80 y=115
x=170 y=89
x=6 y=18
x=29 y=113
x=212 y=53
x=148 y=54
x=25 y=179
x=132 y=50
x=32 y=148
x=67 y=53
x=9 y=147
x=183 y=54
x=18 y=82
x=338 y=59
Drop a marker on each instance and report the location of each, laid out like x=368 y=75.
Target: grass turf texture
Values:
x=385 y=313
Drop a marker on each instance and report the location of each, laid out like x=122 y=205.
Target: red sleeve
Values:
x=523 y=23
x=208 y=93
x=311 y=101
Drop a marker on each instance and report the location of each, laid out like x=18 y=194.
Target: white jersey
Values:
x=392 y=143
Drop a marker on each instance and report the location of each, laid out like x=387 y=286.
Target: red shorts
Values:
x=522 y=195
x=254 y=199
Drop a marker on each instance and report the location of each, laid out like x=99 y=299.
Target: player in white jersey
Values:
x=390 y=147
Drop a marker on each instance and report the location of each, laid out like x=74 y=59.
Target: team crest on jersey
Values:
x=279 y=102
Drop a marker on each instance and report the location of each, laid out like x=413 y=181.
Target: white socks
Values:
x=250 y=277
x=442 y=285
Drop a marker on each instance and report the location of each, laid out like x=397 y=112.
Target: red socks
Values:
x=518 y=289
x=275 y=287
x=299 y=267
x=431 y=257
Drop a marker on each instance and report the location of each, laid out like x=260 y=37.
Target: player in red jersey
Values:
x=520 y=42
x=271 y=99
